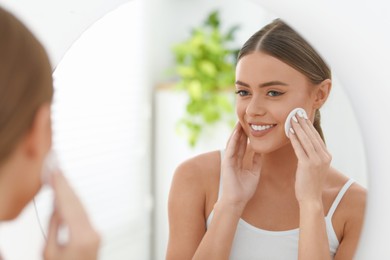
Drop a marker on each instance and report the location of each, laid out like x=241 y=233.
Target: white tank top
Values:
x=252 y=243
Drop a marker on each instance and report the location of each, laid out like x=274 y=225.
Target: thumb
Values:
x=256 y=163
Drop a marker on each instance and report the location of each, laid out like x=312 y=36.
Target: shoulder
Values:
x=350 y=212
x=354 y=197
x=198 y=168
x=198 y=174
x=348 y=218
x=194 y=184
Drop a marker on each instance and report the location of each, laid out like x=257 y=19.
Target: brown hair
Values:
x=282 y=42
x=25 y=81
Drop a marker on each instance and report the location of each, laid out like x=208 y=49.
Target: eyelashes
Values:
x=242 y=93
x=271 y=93
x=274 y=93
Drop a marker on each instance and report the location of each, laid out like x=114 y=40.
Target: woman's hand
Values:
x=239 y=180
x=83 y=241
x=313 y=160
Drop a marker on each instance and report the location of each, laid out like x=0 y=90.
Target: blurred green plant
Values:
x=205 y=65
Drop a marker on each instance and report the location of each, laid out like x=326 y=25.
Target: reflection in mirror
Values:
x=100 y=125
x=338 y=120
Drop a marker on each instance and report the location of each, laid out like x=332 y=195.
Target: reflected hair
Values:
x=25 y=81
x=279 y=40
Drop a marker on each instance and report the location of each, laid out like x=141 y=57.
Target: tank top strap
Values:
x=222 y=153
x=340 y=195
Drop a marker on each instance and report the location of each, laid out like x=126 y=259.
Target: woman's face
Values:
x=267 y=90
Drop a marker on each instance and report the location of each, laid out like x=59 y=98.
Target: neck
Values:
x=6 y=170
x=279 y=167
x=15 y=185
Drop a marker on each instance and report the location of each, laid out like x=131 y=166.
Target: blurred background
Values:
x=130 y=105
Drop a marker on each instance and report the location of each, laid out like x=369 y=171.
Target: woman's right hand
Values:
x=83 y=241
x=239 y=179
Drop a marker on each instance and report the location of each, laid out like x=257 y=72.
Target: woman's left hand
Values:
x=313 y=160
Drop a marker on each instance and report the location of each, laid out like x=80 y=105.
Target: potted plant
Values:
x=205 y=65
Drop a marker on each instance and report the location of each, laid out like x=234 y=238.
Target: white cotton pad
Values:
x=287 y=124
x=50 y=166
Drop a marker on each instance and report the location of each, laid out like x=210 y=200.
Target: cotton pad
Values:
x=50 y=166
x=287 y=124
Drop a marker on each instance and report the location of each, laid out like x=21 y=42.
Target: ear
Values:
x=321 y=93
x=38 y=138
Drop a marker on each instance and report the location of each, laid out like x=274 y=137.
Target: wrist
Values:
x=233 y=209
x=313 y=205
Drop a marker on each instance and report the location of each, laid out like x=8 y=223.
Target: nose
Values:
x=255 y=107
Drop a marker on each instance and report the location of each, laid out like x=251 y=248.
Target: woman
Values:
x=268 y=196
x=26 y=92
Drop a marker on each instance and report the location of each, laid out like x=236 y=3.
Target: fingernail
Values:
x=292 y=130
x=302 y=114
x=295 y=119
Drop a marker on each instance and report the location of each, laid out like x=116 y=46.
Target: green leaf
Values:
x=213 y=19
x=195 y=89
x=208 y=68
x=185 y=71
x=225 y=104
x=230 y=34
x=205 y=63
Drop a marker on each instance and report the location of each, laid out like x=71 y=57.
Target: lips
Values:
x=261 y=127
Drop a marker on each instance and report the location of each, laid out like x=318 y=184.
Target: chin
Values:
x=12 y=213
x=267 y=147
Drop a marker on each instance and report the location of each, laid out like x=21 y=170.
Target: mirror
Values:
x=354 y=80
x=100 y=123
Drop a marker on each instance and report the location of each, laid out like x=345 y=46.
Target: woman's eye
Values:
x=274 y=93
x=242 y=93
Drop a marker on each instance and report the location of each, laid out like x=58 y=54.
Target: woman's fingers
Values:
x=299 y=150
x=312 y=134
x=308 y=135
x=256 y=163
x=302 y=137
x=242 y=143
x=53 y=230
x=237 y=143
x=317 y=136
x=232 y=142
x=68 y=205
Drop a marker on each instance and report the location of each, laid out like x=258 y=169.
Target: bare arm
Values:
x=188 y=238
x=186 y=207
x=313 y=239
x=355 y=202
x=313 y=166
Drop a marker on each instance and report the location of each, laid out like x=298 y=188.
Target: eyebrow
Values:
x=265 y=84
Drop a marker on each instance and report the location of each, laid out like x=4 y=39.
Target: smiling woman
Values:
x=266 y=196
x=343 y=137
